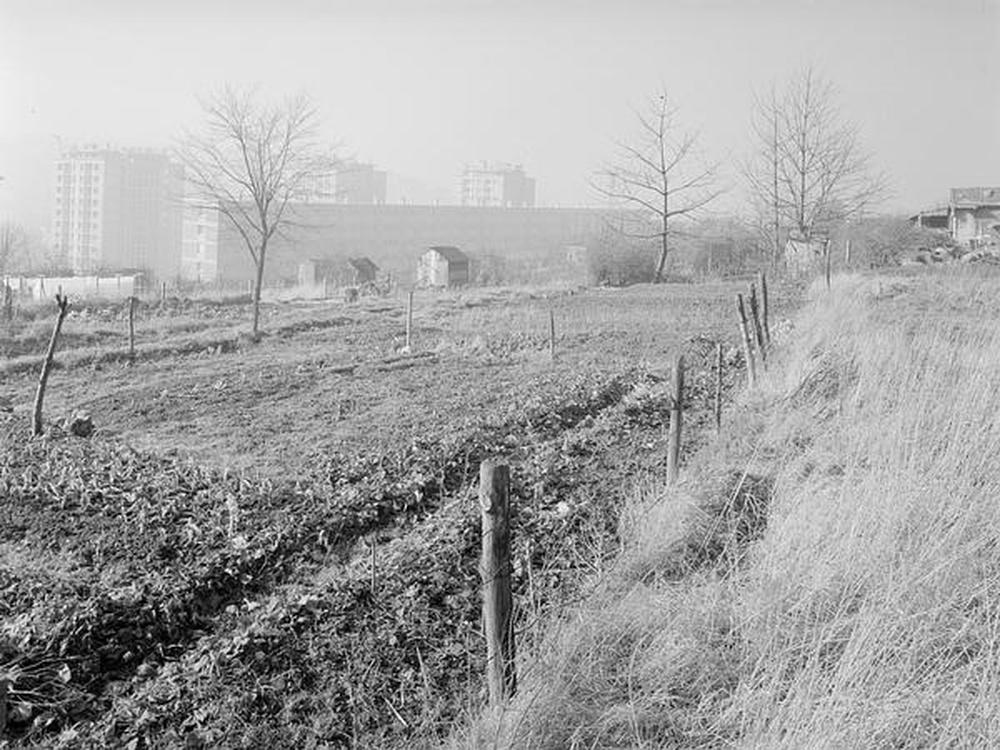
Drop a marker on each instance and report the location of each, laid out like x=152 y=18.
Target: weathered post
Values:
x=131 y=328
x=718 y=387
x=409 y=319
x=847 y=252
x=827 y=253
x=758 y=329
x=163 y=292
x=676 y=418
x=552 y=333
x=36 y=420
x=494 y=502
x=745 y=336
x=765 y=314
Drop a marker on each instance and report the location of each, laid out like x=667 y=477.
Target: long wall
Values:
x=395 y=236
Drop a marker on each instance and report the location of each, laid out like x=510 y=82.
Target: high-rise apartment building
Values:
x=498 y=185
x=118 y=210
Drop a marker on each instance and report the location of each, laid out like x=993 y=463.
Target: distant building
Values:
x=388 y=235
x=118 y=209
x=502 y=185
x=971 y=216
x=355 y=184
x=442 y=266
x=337 y=272
x=199 y=242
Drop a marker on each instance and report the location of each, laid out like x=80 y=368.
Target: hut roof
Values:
x=450 y=253
x=363 y=265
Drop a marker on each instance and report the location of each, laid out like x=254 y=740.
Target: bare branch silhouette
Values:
x=660 y=177
x=251 y=162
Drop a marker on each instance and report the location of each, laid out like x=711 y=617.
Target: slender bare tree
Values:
x=252 y=160
x=660 y=176
x=761 y=170
x=809 y=169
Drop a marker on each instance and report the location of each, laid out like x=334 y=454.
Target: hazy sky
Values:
x=422 y=86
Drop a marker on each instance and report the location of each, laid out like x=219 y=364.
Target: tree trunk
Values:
x=256 y=291
x=661 y=262
x=774 y=195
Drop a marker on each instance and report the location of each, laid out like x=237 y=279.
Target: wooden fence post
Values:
x=827 y=253
x=494 y=502
x=131 y=328
x=163 y=292
x=676 y=418
x=745 y=336
x=552 y=333
x=758 y=329
x=718 y=386
x=765 y=309
x=36 y=420
x=409 y=319
x=847 y=252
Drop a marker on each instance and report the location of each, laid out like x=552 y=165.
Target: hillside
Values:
x=827 y=572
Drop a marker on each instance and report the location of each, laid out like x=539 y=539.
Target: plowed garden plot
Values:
x=201 y=570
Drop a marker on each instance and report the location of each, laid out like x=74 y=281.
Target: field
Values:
x=276 y=543
x=826 y=574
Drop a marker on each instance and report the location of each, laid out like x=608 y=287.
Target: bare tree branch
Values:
x=659 y=177
x=808 y=169
x=250 y=162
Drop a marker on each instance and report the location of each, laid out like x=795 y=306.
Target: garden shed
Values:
x=442 y=266
x=337 y=272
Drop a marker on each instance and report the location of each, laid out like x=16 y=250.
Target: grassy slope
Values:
x=827 y=574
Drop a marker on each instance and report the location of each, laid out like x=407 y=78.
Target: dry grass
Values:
x=827 y=574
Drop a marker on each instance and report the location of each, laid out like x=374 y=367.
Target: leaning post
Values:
x=552 y=334
x=757 y=328
x=718 y=387
x=43 y=378
x=494 y=501
x=745 y=337
x=676 y=418
x=827 y=253
x=765 y=307
x=409 y=319
x=131 y=328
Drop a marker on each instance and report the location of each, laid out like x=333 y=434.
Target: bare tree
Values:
x=253 y=159
x=660 y=176
x=809 y=168
x=12 y=241
x=761 y=170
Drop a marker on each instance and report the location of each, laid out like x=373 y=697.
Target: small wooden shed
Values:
x=352 y=272
x=442 y=266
